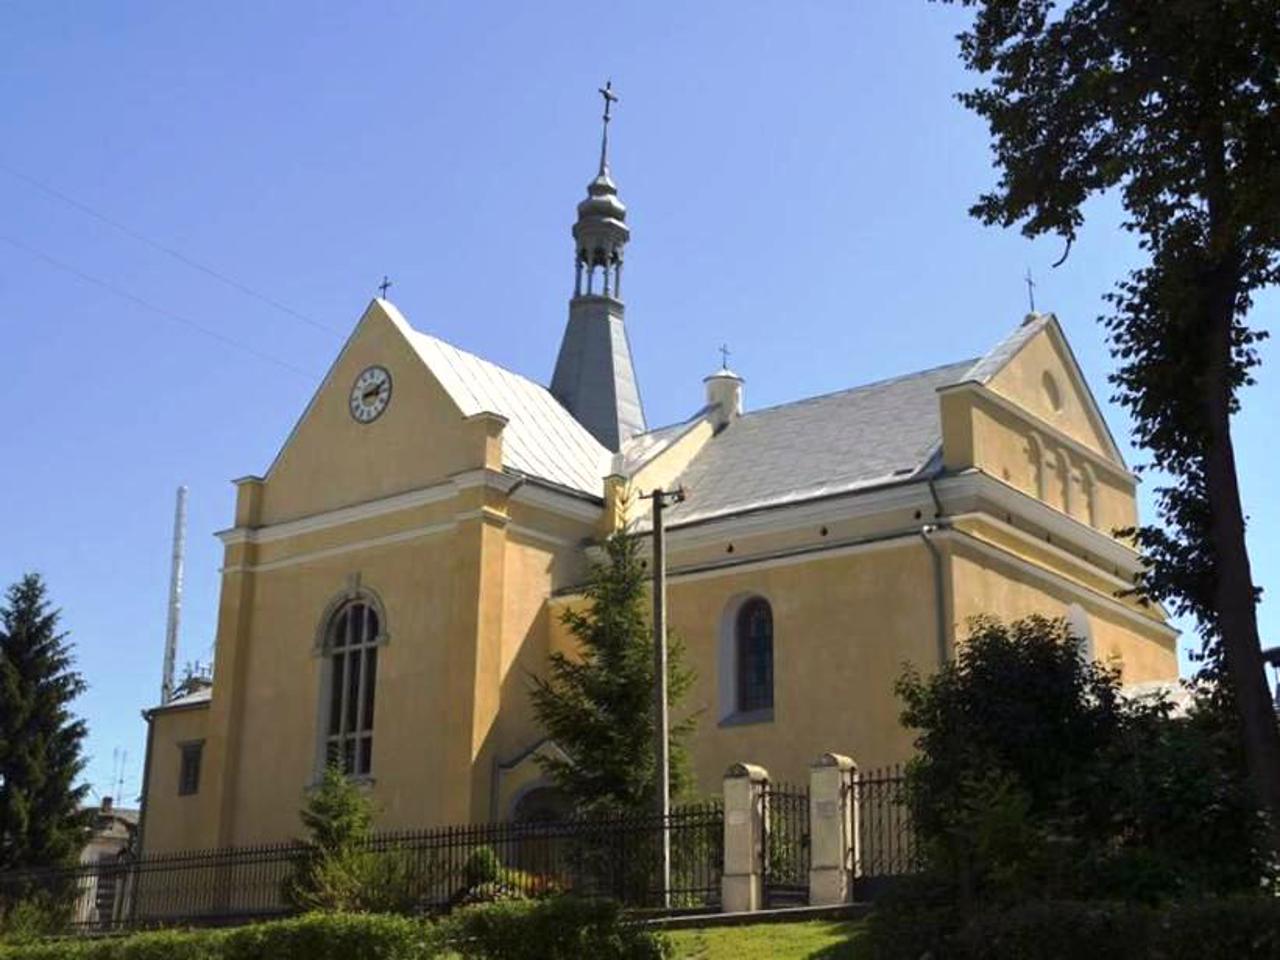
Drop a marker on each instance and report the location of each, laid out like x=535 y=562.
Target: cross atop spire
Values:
x=724 y=356
x=610 y=98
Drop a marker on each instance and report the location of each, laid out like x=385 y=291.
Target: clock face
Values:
x=370 y=394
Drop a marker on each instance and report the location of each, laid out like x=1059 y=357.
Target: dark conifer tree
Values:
x=42 y=822
x=597 y=704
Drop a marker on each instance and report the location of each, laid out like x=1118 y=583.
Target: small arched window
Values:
x=754 y=639
x=351 y=646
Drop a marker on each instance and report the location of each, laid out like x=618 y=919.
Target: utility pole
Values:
x=662 y=715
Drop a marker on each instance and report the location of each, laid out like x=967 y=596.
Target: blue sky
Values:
x=797 y=174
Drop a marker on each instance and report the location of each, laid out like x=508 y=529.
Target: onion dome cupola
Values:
x=594 y=378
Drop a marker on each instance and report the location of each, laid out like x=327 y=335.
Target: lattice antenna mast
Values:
x=175 y=595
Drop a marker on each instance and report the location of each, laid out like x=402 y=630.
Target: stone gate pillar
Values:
x=833 y=835
x=742 y=883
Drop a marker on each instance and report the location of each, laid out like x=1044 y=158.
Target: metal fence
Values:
x=424 y=871
x=785 y=852
x=887 y=846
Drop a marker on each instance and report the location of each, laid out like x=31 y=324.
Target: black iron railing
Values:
x=886 y=840
x=785 y=852
x=425 y=871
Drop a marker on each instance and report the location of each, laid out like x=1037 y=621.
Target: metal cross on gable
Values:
x=384 y=286
x=1031 y=289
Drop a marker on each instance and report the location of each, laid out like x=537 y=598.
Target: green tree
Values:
x=1036 y=777
x=1176 y=105
x=598 y=703
x=42 y=820
x=337 y=870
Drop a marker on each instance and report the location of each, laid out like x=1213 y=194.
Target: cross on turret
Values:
x=610 y=98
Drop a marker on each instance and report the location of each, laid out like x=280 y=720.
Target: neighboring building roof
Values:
x=837 y=443
x=196 y=698
x=541 y=439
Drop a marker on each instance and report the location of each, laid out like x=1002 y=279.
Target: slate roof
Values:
x=541 y=439
x=836 y=443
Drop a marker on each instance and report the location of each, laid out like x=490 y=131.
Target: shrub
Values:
x=561 y=928
x=313 y=937
x=40 y=913
x=334 y=937
x=482 y=866
x=1037 y=778
x=1241 y=928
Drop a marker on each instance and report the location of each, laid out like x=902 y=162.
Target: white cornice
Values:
x=1065 y=529
x=960 y=494
x=1038 y=543
x=566 y=505
x=529 y=493
x=311 y=556
x=802 y=515
x=787 y=558
x=335 y=518
x=1044 y=574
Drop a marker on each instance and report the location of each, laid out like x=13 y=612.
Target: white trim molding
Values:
x=521 y=492
x=316 y=522
x=534 y=494
x=311 y=556
x=1045 y=575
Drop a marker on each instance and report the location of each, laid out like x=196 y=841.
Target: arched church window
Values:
x=754 y=636
x=351 y=646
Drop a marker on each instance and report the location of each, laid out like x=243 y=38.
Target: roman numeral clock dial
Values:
x=370 y=394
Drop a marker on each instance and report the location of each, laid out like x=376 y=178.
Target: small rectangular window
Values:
x=189 y=771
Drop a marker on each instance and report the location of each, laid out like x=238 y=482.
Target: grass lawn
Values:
x=815 y=940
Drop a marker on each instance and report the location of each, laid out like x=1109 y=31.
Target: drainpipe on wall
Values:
x=939 y=587
x=146 y=781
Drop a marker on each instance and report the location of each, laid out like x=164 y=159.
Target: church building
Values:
x=401 y=568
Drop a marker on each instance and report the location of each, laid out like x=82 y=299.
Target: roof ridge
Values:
x=863 y=386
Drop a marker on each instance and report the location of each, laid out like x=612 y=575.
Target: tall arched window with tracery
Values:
x=351 y=641
x=754 y=636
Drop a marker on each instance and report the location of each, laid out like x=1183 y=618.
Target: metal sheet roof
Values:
x=824 y=445
x=541 y=438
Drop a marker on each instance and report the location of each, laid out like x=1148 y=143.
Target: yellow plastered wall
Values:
x=1042 y=380
x=331 y=461
x=171 y=821
x=984 y=584
x=843 y=627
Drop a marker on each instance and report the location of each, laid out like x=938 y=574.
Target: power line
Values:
x=147 y=305
x=169 y=251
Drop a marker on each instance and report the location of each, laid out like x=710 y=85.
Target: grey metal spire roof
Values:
x=594 y=377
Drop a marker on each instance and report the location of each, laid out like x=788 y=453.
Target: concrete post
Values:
x=742 y=884
x=833 y=835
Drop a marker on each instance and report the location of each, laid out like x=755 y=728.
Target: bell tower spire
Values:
x=594 y=379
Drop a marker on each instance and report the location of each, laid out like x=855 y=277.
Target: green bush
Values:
x=334 y=937
x=561 y=928
x=482 y=866
x=312 y=937
x=1240 y=928
x=40 y=913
